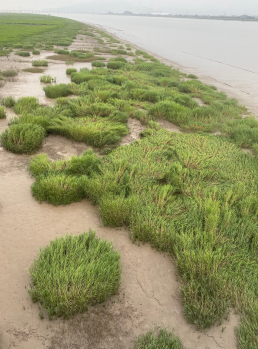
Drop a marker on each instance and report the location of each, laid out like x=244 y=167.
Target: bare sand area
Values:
x=149 y=294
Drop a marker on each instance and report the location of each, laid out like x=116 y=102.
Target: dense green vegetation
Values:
x=37 y=31
x=74 y=272
x=2 y=112
x=192 y=195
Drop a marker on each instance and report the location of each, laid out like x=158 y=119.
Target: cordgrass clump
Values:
x=56 y=91
x=36 y=52
x=8 y=102
x=8 y=73
x=23 y=53
x=23 y=138
x=160 y=339
x=26 y=104
x=40 y=63
x=69 y=71
x=74 y=272
x=47 y=79
x=2 y=112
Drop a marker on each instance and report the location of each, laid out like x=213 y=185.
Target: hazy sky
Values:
x=176 y=6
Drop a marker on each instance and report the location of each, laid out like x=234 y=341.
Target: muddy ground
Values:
x=149 y=295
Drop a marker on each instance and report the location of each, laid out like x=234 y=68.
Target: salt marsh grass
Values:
x=47 y=79
x=26 y=104
x=74 y=272
x=40 y=63
x=2 y=112
x=159 y=339
x=8 y=102
x=56 y=91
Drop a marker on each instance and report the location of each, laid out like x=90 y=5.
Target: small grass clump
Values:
x=98 y=64
x=74 y=272
x=2 y=112
x=62 y=52
x=56 y=91
x=118 y=59
x=47 y=79
x=36 y=52
x=40 y=63
x=23 y=138
x=69 y=71
x=160 y=339
x=23 y=53
x=8 y=73
x=8 y=102
x=26 y=104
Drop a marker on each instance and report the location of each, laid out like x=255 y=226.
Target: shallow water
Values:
x=225 y=51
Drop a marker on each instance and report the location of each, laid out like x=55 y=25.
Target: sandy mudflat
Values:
x=149 y=294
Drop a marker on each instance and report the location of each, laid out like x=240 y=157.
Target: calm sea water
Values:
x=223 y=50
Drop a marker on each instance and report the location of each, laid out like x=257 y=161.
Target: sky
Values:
x=216 y=7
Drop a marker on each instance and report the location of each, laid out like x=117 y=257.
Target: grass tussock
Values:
x=74 y=272
x=159 y=339
x=8 y=102
x=26 y=104
x=40 y=63
x=23 y=53
x=56 y=91
x=23 y=138
x=9 y=73
x=98 y=64
x=47 y=79
x=69 y=71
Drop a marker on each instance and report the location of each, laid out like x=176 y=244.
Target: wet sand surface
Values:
x=150 y=290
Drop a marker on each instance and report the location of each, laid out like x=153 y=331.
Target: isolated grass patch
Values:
x=40 y=63
x=23 y=138
x=159 y=339
x=47 y=79
x=69 y=71
x=2 y=113
x=23 y=53
x=26 y=104
x=8 y=102
x=8 y=73
x=56 y=91
x=36 y=52
x=74 y=272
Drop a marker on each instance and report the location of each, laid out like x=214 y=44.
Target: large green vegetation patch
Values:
x=25 y=29
x=195 y=197
x=74 y=272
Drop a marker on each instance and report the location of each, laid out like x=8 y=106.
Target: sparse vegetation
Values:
x=74 y=272
x=8 y=73
x=34 y=70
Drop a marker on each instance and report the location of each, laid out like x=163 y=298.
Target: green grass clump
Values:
x=23 y=53
x=40 y=63
x=74 y=272
x=192 y=76
x=62 y=52
x=98 y=64
x=69 y=71
x=26 y=104
x=59 y=189
x=56 y=91
x=36 y=52
x=8 y=73
x=119 y=52
x=8 y=102
x=47 y=79
x=2 y=113
x=160 y=339
x=23 y=138
x=115 y=65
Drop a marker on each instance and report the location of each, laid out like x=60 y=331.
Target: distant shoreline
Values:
x=221 y=18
